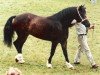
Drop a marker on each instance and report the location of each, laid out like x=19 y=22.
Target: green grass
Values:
x=36 y=51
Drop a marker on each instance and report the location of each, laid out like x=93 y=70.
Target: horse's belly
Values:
x=46 y=35
x=44 y=31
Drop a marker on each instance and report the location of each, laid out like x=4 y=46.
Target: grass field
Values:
x=36 y=51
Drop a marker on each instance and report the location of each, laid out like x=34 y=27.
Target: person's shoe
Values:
x=76 y=63
x=95 y=66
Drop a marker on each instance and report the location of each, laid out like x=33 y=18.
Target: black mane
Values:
x=65 y=16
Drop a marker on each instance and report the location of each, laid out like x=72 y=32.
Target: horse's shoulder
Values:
x=55 y=24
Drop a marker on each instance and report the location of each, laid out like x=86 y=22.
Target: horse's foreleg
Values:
x=19 y=44
x=64 y=48
x=53 y=47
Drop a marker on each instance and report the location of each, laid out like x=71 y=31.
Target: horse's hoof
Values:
x=49 y=65
x=72 y=68
x=19 y=61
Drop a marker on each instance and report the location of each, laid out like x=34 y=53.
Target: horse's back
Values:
x=22 y=21
x=40 y=27
x=24 y=18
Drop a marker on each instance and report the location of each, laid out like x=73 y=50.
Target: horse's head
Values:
x=81 y=11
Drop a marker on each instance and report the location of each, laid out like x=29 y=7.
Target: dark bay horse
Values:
x=53 y=28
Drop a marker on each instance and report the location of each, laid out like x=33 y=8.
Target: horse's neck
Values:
x=59 y=16
x=64 y=17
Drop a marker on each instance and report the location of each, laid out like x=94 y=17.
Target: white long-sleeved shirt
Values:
x=80 y=29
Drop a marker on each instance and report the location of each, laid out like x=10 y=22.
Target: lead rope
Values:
x=92 y=36
x=93 y=33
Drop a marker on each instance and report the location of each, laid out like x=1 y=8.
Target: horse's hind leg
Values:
x=18 y=45
x=53 y=47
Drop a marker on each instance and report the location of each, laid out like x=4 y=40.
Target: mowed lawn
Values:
x=36 y=51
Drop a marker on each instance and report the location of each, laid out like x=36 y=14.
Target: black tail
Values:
x=8 y=32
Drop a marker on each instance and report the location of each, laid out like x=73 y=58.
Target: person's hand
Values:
x=92 y=27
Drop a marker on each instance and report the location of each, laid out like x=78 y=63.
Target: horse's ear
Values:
x=84 y=6
x=81 y=7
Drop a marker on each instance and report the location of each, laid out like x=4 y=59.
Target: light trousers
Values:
x=83 y=47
